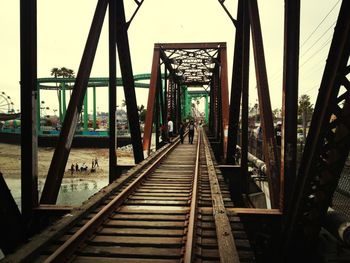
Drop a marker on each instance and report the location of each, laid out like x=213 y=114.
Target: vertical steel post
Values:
x=178 y=107
x=211 y=106
x=38 y=111
x=128 y=82
x=112 y=88
x=165 y=94
x=224 y=98
x=94 y=106
x=269 y=143
x=236 y=87
x=60 y=156
x=157 y=111
x=59 y=104
x=206 y=109
x=86 y=119
x=64 y=99
x=147 y=134
x=161 y=99
x=245 y=92
x=29 y=139
x=290 y=100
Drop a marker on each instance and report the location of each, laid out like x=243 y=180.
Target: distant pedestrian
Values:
x=92 y=164
x=72 y=169
x=83 y=167
x=170 y=128
x=191 y=128
x=96 y=162
x=278 y=133
x=76 y=167
x=181 y=132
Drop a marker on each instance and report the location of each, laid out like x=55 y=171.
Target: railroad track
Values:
x=173 y=210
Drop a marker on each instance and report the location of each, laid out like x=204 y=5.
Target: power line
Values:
x=313 y=32
x=322 y=47
x=276 y=76
x=323 y=34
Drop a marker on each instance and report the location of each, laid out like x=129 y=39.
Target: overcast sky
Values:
x=63 y=27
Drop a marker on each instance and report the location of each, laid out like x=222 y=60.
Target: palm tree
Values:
x=56 y=72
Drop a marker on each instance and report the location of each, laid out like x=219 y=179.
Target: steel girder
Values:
x=328 y=141
x=245 y=94
x=147 y=134
x=128 y=82
x=269 y=141
x=29 y=100
x=290 y=101
x=60 y=156
x=236 y=87
x=112 y=88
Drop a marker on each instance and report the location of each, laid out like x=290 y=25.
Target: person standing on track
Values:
x=181 y=132
x=170 y=129
x=191 y=128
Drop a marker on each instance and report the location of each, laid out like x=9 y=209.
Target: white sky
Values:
x=63 y=27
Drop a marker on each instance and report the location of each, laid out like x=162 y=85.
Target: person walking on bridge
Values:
x=170 y=129
x=191 y=128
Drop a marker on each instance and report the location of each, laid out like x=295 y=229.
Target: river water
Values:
x=73 y=191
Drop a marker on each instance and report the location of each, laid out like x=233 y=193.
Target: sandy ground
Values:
x=10 y=158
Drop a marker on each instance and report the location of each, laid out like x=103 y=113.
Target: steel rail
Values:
x=69 y=246
x=189 y=248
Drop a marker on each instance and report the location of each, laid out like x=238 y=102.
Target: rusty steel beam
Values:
x=214 y=45
x=112 y=88
x=161 y=98
x=236 y=88
x=290 y=101
x=60 y=156
x=165 y=95
x=158 y=107
x=147 y=135
x=29 y=97
x=128 y=82
x=245 y=94
x=269 y=143
x=327 y=145
x=224 y=98
x=167 y=64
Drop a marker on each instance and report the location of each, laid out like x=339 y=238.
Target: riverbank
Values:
x=10 y=160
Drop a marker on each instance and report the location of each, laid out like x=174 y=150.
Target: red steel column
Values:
x=147 y=135
x=224 y=98
x=269 y=143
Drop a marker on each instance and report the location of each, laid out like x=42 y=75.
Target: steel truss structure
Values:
x=187 y=65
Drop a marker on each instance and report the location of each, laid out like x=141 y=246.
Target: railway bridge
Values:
x=209 y=201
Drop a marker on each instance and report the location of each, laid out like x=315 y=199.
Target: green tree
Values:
x=276 y=113
x=305 y=111
x=64 y=73
x=142 y=112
